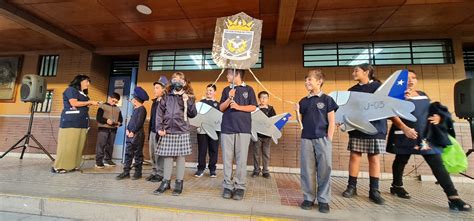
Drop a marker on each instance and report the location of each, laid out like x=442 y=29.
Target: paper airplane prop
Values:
x=358 y=109
x=268 y=126
x=237 y=41
x=209 y=120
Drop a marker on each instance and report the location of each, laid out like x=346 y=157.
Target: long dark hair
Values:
x=76 y=82
x=370 y=68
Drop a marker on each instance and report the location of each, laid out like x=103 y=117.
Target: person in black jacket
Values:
x=135 y=136
x=206 y=143
x=173 y=128
x=261 y=148
x=433 y=125
x=156 y=161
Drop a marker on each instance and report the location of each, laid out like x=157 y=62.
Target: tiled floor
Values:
x=31 y=177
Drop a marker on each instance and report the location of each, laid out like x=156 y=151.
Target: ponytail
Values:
x=370 y=68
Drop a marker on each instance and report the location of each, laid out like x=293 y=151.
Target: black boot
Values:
x=178 y=188
x=165 y=185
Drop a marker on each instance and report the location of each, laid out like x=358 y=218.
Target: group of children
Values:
x=169 y=136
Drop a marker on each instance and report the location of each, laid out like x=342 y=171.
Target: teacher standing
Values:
x=73 y=126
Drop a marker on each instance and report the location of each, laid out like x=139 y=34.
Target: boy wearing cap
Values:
x=135 y=136
x=109 y=118
x=156 y=161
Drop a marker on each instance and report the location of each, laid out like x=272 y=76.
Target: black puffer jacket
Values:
x=437 y=135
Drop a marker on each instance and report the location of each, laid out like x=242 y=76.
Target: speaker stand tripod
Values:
x=26 y=138
x=471 y=123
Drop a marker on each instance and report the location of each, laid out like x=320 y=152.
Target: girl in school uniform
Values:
x=360 y=143
x=174 y=130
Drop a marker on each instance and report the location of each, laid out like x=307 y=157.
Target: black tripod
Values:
x=27 y=138
x=471 y=123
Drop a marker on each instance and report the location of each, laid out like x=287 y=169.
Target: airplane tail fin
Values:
x=280 y=120
x=395 y=86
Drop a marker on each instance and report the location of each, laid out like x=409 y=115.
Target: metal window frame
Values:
x=447 y=50
x=52 y=65
x=176 y=67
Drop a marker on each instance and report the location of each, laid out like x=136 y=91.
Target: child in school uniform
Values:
x=109 y=118
x=237 y=102
x=135 y=136
x=261 y=148
x=173 y=127
x=156 y=161
x=318 y=119
x=205 y=143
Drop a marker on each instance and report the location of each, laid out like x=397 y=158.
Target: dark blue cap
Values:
x=141 y=94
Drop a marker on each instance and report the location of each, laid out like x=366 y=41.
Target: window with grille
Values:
x=379 y=53
x=124 y=67
x=48 y=65
x=45 y=107
x=186 y=59
x=468 y=55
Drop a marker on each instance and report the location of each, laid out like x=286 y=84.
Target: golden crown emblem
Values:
x=239 y=24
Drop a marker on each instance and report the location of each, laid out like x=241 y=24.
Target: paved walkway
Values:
x=7 y=216
x=275 y=197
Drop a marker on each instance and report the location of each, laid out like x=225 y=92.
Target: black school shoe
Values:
x=156 y=178
x=137 y=175
x=123 y=175
x=374 y=196
x=227 y=194
x=350 y=192
x=307 y=205
x=324 y=207
x=400 y=192
x=266 y=175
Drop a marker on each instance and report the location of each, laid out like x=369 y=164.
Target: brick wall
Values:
x=284 y=154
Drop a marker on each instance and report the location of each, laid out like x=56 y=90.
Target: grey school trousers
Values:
x=316 y=160
x=235 y=145
x=261 y=154
x=156 y=161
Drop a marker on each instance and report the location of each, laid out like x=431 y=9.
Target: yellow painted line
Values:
x=156 y=208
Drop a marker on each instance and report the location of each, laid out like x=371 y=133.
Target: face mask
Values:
x=177 y=86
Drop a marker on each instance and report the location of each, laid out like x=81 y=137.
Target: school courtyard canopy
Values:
x=103 y=25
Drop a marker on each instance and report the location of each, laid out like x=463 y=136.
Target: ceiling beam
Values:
x=286 y=16
x=32 y=22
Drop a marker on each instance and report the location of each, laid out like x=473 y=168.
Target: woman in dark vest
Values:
x=404 y=147
x=73 y=126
